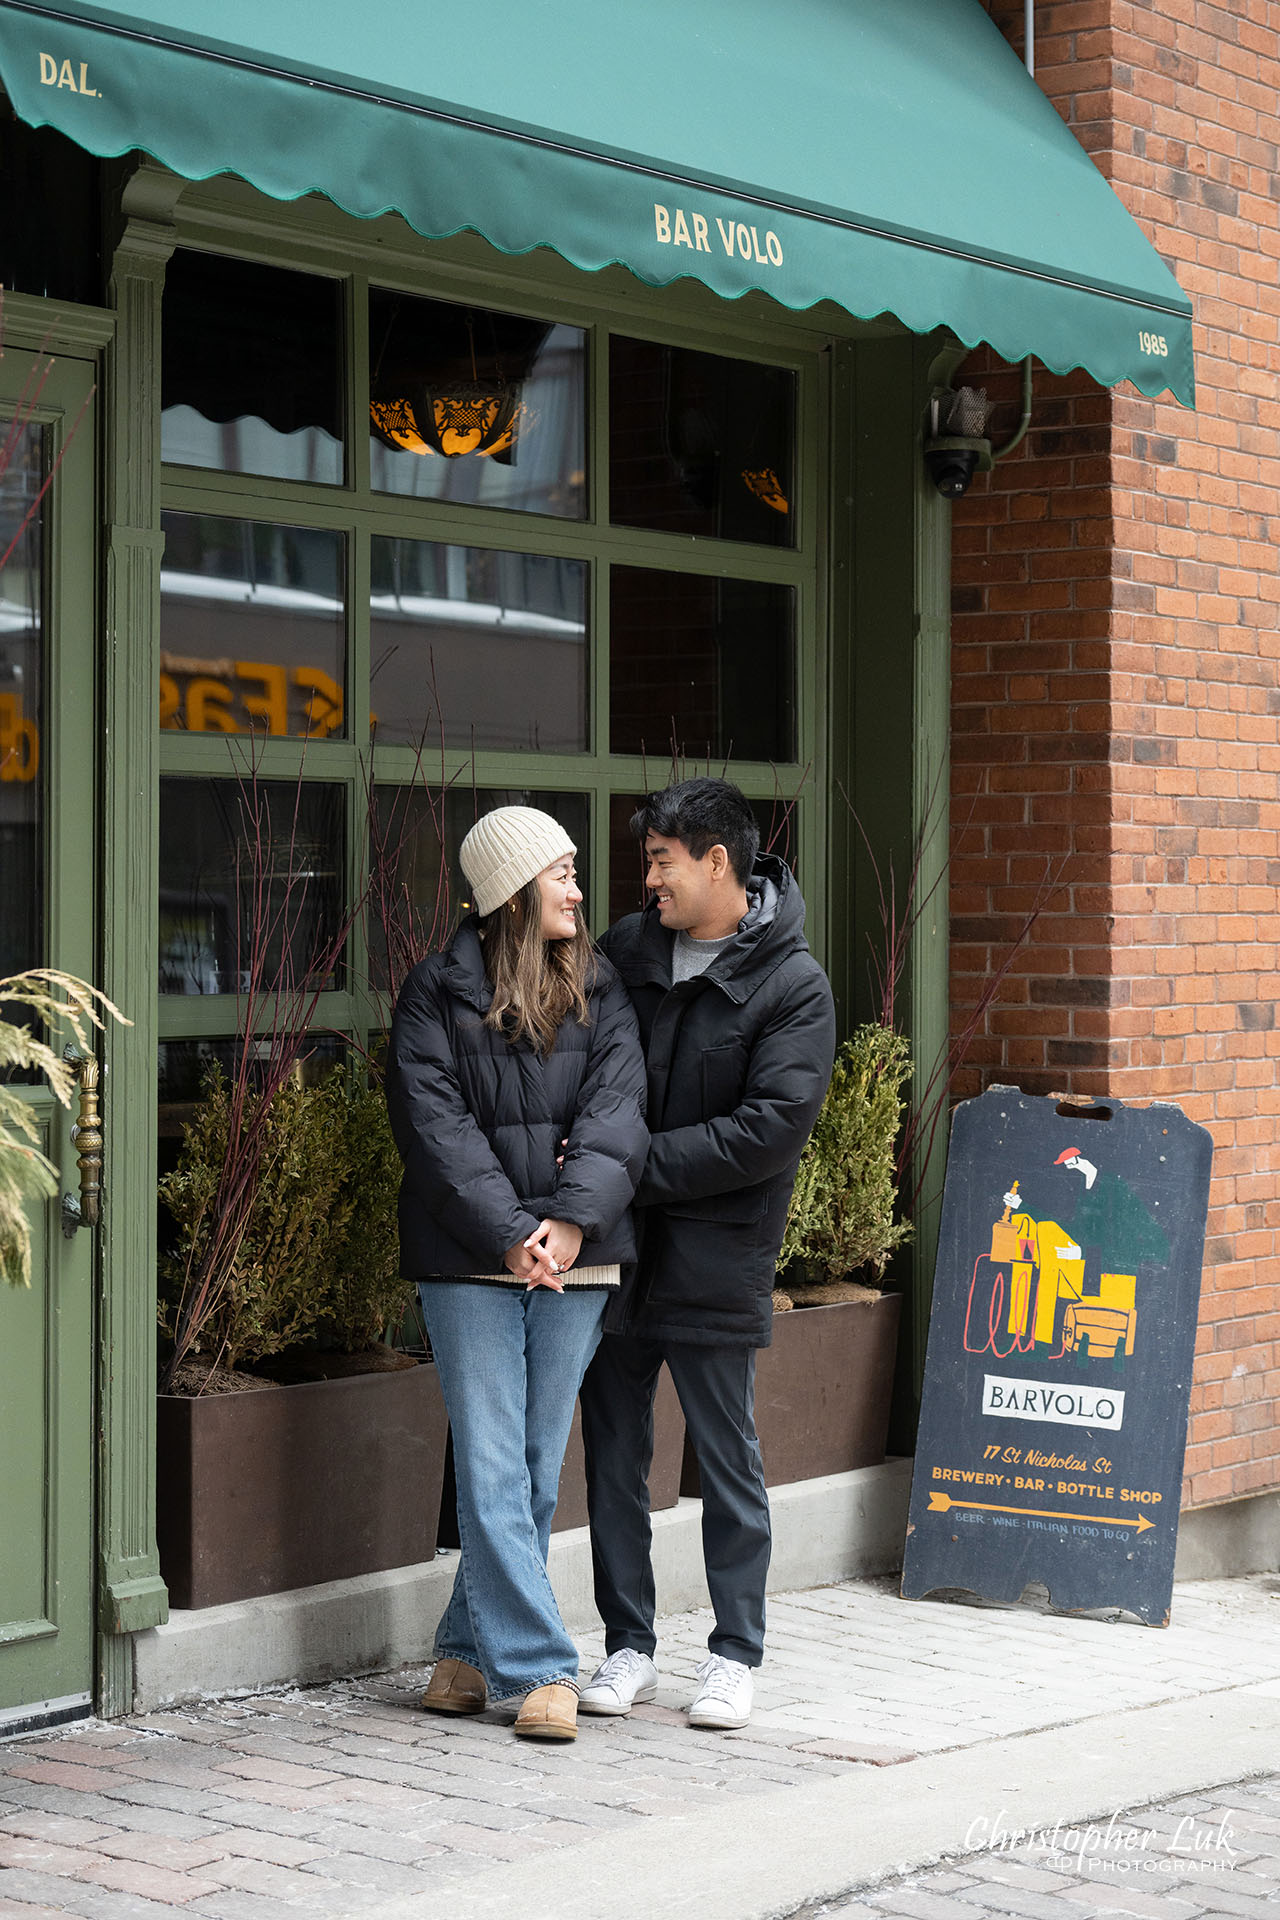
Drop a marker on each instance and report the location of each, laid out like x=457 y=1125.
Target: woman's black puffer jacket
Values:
x=479 y=1121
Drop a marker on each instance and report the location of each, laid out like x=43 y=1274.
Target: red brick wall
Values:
x=1116 y=719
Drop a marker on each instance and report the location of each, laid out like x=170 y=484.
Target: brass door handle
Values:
x=86 y=1136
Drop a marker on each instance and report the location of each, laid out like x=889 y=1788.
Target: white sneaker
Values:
x=618 y=1682
x=724 y=1696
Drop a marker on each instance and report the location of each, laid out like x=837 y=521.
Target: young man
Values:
x=738 y=1028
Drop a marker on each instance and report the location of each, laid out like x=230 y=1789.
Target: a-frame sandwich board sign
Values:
x=1054 y=1411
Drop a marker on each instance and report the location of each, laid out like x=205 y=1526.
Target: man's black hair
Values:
x=703 y=814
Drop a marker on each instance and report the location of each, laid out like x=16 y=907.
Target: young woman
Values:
x=516 y=1090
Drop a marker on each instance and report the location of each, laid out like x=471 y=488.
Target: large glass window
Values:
x=251 y=885
x=701 y=444
x=22 y=669
x=701 y=666
x=252 y=627
x=470 y=405
x=559 y=568
x=478 y=648
x=251 y=369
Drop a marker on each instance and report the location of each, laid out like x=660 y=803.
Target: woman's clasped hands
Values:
x=546 y=1254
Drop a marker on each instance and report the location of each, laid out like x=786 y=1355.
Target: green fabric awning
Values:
x=893 y=158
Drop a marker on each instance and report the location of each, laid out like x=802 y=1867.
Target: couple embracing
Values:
x=562 y=1247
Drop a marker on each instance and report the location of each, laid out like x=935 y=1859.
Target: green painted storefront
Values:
x=180 y=543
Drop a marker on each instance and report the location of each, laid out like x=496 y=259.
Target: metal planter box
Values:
x=823 y=1390
x=664 y=1473
x=286 y=1487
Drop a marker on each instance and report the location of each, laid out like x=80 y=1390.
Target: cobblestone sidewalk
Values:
x=335 y=1799
x=340 y=1798
x=1202 y=1857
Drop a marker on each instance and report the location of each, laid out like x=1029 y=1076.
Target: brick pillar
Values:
x=1117 y=679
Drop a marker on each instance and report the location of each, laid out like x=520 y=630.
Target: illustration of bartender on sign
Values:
x=1069 y=1289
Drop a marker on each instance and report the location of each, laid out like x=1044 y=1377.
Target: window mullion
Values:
x=360 y=792
x=359 y=799
x=235 y=756
x=359 y=664
x=219 y=1016
x=358 y=385
x=598 y=469
x=814 y=462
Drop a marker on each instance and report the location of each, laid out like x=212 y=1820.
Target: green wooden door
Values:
x=47 y=918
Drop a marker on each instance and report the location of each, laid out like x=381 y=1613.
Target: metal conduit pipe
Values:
x=999 y=453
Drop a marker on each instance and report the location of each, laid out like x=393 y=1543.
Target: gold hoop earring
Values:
x=512 y=905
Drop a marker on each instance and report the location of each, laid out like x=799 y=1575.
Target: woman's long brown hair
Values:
x=537 y=984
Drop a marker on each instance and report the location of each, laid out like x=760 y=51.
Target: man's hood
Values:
x=771 y=929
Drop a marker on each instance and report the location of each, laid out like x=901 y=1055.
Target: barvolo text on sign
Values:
x=1010 y=1399
x=676 y=228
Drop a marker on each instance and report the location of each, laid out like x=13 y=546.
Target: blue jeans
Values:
x=510 y=1365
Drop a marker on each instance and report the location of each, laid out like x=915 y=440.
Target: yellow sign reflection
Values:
x=19 y=741
x=248 y=696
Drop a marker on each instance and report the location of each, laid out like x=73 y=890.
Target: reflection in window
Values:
x=701 y=444
x=485 y=648
x=701 y=667
x=52 y=232
x=251 y=369
x=470 y=405
x=775 y=818
x=21 y=701
x=252 y=627
x=418 y=893
x=184 y=1064
x=251 y=878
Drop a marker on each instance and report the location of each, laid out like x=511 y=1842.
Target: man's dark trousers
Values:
x=716 y=1386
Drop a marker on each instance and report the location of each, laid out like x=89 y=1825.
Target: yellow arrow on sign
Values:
x=941 y=1502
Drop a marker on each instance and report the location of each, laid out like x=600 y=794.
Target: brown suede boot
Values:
x=455 y=1688
x=549 y=1713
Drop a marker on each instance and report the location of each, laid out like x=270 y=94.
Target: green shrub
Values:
x=367 y=1294
x=842 y=1209
x=319 y=1255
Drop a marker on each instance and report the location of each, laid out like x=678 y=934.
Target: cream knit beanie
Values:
x=506 y=849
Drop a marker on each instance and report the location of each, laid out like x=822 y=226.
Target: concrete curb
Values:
x=847 y=1526
x=766 y=1856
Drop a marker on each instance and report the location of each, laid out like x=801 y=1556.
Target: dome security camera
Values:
x=956 y=446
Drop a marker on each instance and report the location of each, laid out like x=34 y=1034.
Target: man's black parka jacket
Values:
x=738 y=1062
x=479 y=1121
